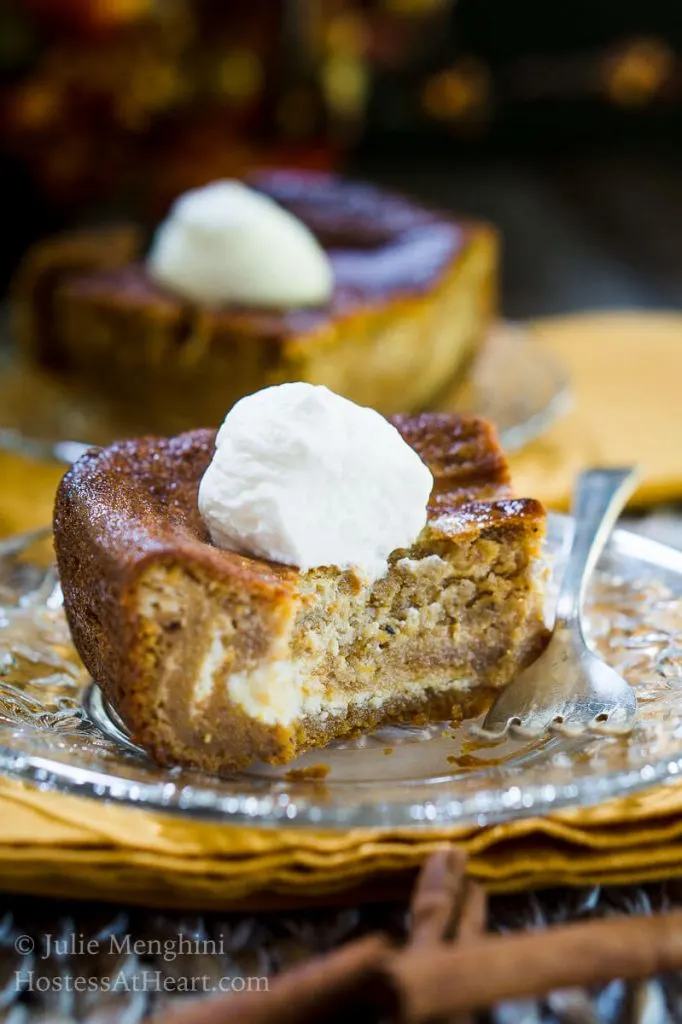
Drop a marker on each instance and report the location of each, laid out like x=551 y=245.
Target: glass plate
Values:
x=514 y=382
x=56 y=732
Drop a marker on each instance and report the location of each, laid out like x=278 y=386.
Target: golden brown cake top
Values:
x=463 y=454
x=137 y=500
x=380 y=246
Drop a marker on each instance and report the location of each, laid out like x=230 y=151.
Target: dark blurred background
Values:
x=561 y=123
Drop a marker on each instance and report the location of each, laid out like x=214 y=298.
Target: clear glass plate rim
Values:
x=306 y=811
x=510 y=804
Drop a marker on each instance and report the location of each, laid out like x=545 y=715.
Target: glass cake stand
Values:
x=517 y=384
x=56 y=731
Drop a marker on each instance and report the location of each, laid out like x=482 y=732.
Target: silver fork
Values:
x=568 y=686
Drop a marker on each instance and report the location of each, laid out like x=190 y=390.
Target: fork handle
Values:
x=598 y=498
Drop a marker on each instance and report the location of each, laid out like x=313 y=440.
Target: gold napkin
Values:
x=66 y=846
x=625 y=371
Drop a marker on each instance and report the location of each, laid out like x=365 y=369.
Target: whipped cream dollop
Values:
x=226 y=243
x=307 y=478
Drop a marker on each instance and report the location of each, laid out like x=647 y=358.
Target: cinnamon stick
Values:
x=471 y=925
x=352 y=980
x=438 y=979
x=452 y=979
x=446 y=907
x=474 y=915
x=437 y=900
